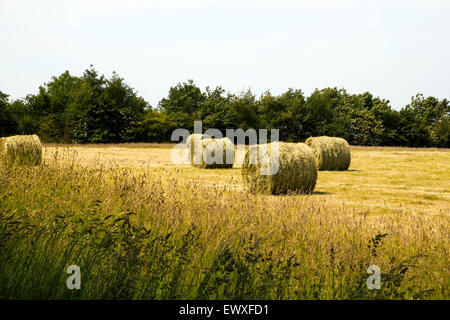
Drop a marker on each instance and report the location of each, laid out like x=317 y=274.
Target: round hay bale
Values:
x=214 y=153
x=331 y=153
x=21 y=150
x=297 y=172
x=194 y=144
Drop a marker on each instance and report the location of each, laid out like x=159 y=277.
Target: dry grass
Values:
x=161 y=233
x=114 y=145
x=157 y=231
x=379 y=180
x=111 y=155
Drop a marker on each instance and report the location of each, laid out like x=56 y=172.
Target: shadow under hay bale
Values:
x=297 y=172
x=21 y=150
x=331 y=153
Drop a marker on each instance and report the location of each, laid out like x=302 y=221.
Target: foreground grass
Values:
x=140 y=235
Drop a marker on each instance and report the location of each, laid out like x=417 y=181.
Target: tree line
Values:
x=96 y=109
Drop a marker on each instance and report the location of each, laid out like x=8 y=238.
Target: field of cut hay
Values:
x=140 y=227
x=389 y=179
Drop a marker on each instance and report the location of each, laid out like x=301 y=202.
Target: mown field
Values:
x=140 y=227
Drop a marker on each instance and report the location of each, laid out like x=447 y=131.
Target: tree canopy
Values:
x=93 y=108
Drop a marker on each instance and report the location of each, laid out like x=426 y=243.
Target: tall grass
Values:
x=146 y=236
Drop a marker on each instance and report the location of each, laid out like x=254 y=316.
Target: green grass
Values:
x=154 y=235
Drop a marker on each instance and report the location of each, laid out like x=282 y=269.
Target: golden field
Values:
x=380 y=179
x=140 y=227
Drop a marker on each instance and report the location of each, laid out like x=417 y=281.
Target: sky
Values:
x=393 y=49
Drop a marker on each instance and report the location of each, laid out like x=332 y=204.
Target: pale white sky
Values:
x=393 y=49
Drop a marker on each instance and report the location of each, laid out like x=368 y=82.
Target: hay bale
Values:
x=297 y=172
x=214 y=153
x=331 y=153
x=21 y=150
x=194 y=144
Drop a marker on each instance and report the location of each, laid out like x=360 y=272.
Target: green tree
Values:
x=156 y=126
x=93 y=108
x=48 y=107
x=214 y=110
x=389 y=119
x=418 y=121
x=8 y=125
x=23 y=117
x=327 y=114
x=442 y=131
x=286 y=112
x=365 y=128
x=293 y=116
x=242 y=111
x=104 y=110
x=182 y=103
